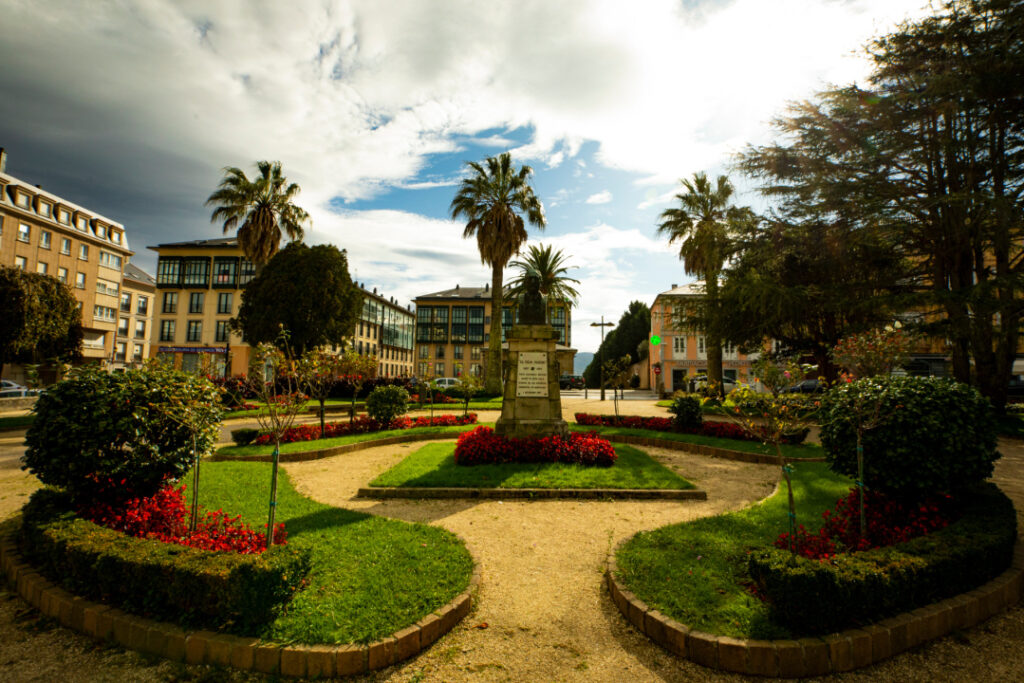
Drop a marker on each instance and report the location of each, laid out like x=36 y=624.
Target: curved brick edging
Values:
x=833 y=653
x=722 y=453
x=383 y=492
x=207 y=647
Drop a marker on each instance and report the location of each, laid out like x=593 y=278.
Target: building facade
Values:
x=681 y=354
x=453 y=331
x=43 y=233
x=135 y=318
x=385 y=330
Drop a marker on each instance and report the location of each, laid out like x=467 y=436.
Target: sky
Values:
x=132 y=110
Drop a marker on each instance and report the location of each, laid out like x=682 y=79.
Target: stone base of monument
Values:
x=531 y=405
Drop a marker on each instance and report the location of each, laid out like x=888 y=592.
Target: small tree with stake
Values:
x=319 y=369
x=616 y=377
x=468 y=386
x=358 y=369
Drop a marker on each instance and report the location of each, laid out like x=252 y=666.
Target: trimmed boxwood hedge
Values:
x=191 y=587
x=812 y=597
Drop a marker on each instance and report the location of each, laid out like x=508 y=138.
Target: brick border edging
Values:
x=721 y=453
x=832 y=653
x=220 y=649
x=452 y=492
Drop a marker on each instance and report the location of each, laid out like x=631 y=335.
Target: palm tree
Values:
x=491 y=200
x=703 y=226
x=550 y=267
x=263 y=206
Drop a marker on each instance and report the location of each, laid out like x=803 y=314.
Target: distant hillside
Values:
x=581 y=362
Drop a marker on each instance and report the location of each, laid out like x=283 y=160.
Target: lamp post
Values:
x=600 y=354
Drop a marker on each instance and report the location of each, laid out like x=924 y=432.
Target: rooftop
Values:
x=133 y=272
x=460 y=292
x=691 y=289
x=204 y=244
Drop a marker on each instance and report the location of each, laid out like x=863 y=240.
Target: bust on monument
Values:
x=531 y=304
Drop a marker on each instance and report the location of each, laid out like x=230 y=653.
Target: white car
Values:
x=445 y=382
x=9 y=389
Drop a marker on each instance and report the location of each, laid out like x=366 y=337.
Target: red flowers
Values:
x=483 y=447
x=889 y=522
x=721 y=430
x=364 y=425
x=164 y=517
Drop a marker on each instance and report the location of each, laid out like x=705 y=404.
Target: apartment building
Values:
x=453 y=331
x=198 y=290
x=682 y=354
x=135 y=318
x=385 y=329
x=43 y=233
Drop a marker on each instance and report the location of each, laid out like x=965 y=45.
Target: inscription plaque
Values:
x=532 y=374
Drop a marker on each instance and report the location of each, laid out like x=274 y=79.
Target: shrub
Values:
x=688 y=413
x=720 y=430
x=189 y=586
x=935 y=435
x=813 y=597
x=127 y=428
x=483 y=447
x=385 y=403
x=244 y=436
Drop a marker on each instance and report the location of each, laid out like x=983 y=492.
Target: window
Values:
x=140 y=329
x=700 y=345
x=458 y=370
x=195 y=302
x=222 y=331
x=458 y=323
x=62 y=275
x=126 y=303
x=41 y=268
x=44 y=208
x=80 y=280
x=195 y=331
x=225 y=302
x=424 y=352
x=225 y=271
x=457 y=352
x=168 y=271
x=360 y=348
x=424 y=369
x=24 y=232
x=64 y=217
x=166 y=330
x=475 y=352
x=190 y=362
x=137 y=353
x=115 y=237
x=24 y=200
x=106 y=287
x=143 y=305
x=440 y=351
x=83 y=252
x=679 y=345
x=119 y=352
x=475 y=333
x=20 y=263
x=110 y=260
x=476 y=370
x=246 y=272
x=122 y=327
x=101 y=231
x=44 y=239
x=104 y=313
x=439 y=369
x=170 y=302
x=83 y=223
x=65 y=246
x=196 y=272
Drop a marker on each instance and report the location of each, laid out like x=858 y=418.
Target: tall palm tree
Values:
x=261 y=209
x=703 y=226
x=493 y=200
x=550 y=267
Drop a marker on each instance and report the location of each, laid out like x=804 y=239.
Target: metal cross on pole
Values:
x=600 y=354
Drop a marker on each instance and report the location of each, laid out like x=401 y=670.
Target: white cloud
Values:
x=602 y=197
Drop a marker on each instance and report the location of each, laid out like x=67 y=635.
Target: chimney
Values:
x=487 y=286
x=3 y=160
x=374 y=290
x=674 y=285
x=456 y=286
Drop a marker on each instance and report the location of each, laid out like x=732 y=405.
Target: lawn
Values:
x=371 y=576
x=494 y=404
x=434 y=465
x=321 y=444
x=695 y=572
x=16 y=422
x=795 y=452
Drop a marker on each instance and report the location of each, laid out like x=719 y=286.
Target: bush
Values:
x=936 y=435
x=126 y=428
x=483 y=447
x=385 y=403
x=188 y=586
x=244 y=436
x=719 y=430
x=688 y=413
x=812 y=597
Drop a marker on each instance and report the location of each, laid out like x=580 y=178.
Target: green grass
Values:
x=309 y=407
x=695 y=572
x=1011 y=424
x=321 y=444
x=805 y=450
x=449 y=407
x=434 y=465
x=371 y=576
x=16 y=422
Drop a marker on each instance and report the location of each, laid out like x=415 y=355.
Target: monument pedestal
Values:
x=531 y=405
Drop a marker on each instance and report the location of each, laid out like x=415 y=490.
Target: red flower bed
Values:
x=438 y=398
x=721 y=430
x=164 y=517
x=889 y=522
x=363 y=425
x=483 y=447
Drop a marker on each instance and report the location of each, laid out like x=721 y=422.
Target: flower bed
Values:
x=363 y=425
x=720 y=430
x=483 y=447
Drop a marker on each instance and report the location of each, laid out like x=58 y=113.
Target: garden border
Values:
x=304 y=456
x=833 y=653
x=452 y=492
x=169 y=641
x=698 y=449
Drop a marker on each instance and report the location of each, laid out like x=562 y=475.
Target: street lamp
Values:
x=600 y=355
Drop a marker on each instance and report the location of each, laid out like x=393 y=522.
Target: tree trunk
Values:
x=492 y=378
x=712 y=336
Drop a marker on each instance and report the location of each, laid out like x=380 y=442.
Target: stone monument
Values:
x=531 y=404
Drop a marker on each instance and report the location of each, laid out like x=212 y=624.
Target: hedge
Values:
x=811 y=597
x=224 y=591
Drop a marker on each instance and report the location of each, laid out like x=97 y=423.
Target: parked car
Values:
x=1016 y=387
x=9 y=389
x=570 y=382
x=700 y=381
x=807 y=386
x=445 y=382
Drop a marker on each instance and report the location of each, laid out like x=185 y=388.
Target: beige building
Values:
x=43 y=233
x=453 y=331
x=385 y=329
x=135 y=318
